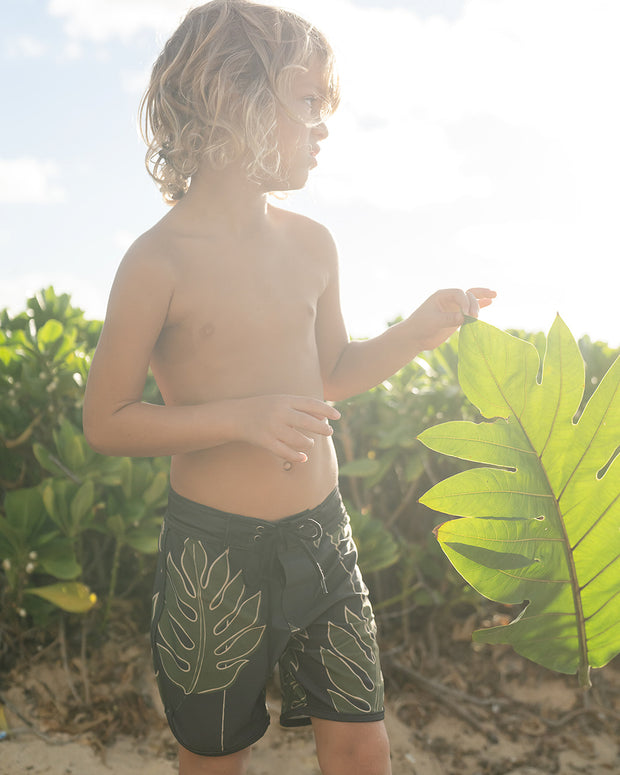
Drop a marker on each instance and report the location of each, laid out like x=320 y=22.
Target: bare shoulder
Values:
x=145 y=282
x=307 y=232
x=150 y=256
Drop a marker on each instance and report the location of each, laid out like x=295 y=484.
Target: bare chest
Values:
x=245 y=317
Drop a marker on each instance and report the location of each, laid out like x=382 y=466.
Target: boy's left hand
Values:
x=442 y=313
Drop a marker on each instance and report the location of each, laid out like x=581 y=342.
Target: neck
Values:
x=224 y=198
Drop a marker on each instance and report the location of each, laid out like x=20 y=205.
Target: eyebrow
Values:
x=311 y=87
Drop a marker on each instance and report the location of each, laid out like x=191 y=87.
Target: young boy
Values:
x=234 y=304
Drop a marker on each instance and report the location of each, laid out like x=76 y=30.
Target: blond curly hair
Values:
x=216 y=88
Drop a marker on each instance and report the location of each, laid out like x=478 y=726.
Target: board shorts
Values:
x=234 y=596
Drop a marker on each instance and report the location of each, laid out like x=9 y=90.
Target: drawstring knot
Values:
x=302 y=533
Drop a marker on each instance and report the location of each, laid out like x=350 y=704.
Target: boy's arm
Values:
x=349 y=368
x=118 y=422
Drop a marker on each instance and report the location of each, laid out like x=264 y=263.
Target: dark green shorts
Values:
x=233 y=597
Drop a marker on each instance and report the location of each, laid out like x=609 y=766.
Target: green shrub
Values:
x=75 y=526
x=72 y=522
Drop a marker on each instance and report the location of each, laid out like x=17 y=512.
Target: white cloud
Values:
x=543 y=71
x=135 y=81
x=502 y=120
x=102 y=20
x=72 y=50
x=29 y=181
x=510 y=105
x=25 y=46
x=123 y=239
x=399 y=165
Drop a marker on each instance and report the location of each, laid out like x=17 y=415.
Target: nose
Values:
x=320 y=131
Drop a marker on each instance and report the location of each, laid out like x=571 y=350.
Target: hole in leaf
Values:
x=605 y=468
x=541 y=518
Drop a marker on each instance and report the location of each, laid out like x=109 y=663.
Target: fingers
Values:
x=288 y=454
x=310 y=423
x=317 y=408
x=482 y=296
x=302 y=419
x=312 y=415
x=482 y=293
x=473 y=308
x=457 y=304
x=294 y=446
x=470 y=302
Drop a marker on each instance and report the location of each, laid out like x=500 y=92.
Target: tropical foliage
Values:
x=542 y=512
x=71 y=519
x=78 y=531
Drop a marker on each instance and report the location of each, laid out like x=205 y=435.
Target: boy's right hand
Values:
x=283 y=424
x=442 y=313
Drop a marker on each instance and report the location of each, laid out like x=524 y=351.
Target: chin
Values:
x=295 y=181
x=297 y=186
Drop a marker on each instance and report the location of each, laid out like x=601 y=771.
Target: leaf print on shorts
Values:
x=352 y=667
x=207 y=629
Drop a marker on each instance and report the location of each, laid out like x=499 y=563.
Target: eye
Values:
x=314 y=106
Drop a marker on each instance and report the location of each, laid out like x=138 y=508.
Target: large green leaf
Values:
x=543 y=524
x=208 y=627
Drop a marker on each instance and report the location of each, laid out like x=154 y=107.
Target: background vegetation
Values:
x=78 y=531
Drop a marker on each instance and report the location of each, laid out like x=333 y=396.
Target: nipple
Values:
x=287 y=465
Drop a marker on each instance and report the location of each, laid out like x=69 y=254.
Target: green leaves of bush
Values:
x=543 y=511
x=67 y=511
x=70 y=517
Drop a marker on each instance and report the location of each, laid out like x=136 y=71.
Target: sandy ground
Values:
x=280 y=751
x=291 y=752
x=535 y=723
x=39 y=693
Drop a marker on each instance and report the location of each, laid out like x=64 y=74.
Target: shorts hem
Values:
x=296 y=721
x=230 y=750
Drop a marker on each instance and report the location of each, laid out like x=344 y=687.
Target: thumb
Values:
x=456 y=318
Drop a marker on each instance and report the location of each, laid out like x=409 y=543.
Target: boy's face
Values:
x=298 y=140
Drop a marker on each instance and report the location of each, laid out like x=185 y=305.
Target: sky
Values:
x=476 y=144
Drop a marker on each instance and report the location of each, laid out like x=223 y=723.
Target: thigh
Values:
x=331 y=668
x=209 y=645
x=334 y=665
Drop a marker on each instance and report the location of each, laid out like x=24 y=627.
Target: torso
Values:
x=241 y=323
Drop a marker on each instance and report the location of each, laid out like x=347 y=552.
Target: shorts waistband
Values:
x=197 y=517
x=303 y=528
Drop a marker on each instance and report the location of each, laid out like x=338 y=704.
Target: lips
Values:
x=313 y=151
